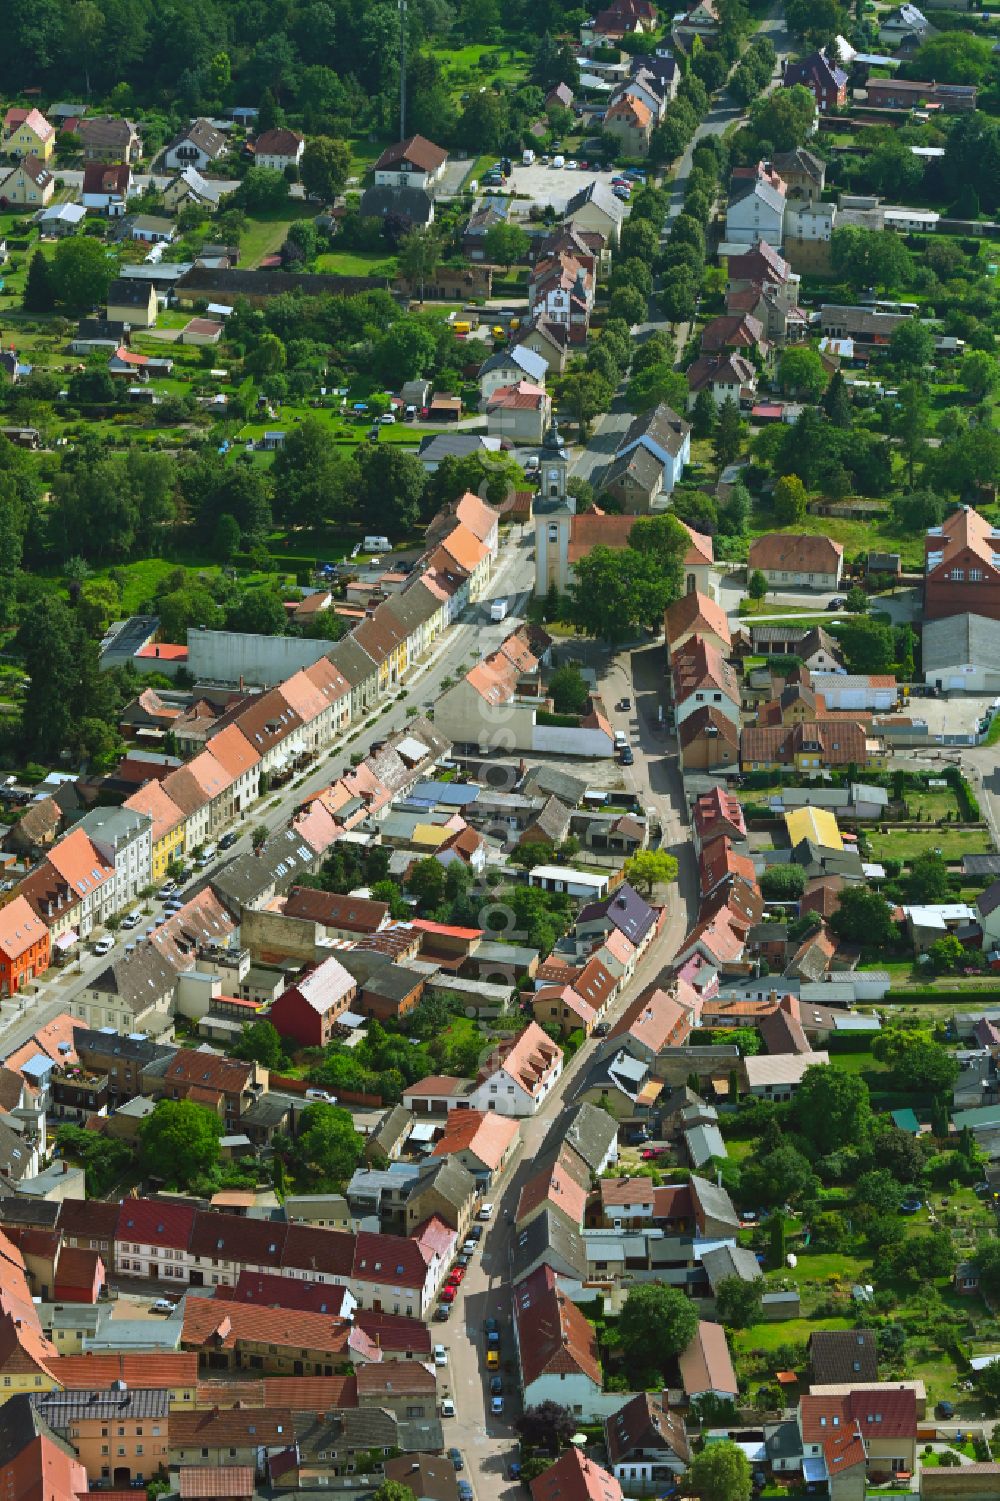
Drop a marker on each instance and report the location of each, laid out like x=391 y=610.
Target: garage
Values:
x=842 y=690
x=961 y=654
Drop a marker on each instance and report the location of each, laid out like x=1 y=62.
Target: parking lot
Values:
x=951 y=713
x=551 y=185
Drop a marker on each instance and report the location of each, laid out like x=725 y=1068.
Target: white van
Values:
x=527 y=158
x=498 y=609
x=558 y=161
x=207 y=855
x=621 y=740
x=377 y=544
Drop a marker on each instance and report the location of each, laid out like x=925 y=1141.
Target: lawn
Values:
x=906 y=844
x=265 y=232
x=357 y=263
x=770 y=1336
x=856 y=536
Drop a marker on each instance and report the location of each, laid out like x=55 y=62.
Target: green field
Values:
x=265 y=233
x=906 y=844
x=357 y=263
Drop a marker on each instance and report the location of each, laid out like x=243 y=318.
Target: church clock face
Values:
x=553 y=476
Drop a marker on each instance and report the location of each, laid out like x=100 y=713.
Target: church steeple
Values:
x=555 y=468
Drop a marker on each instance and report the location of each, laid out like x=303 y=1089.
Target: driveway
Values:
x=488 y=1443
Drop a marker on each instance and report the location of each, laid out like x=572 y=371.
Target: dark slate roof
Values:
x=838 y=1356
x=625 y=909
x=549 y=1238
x=410 y=203
x=589 y=1131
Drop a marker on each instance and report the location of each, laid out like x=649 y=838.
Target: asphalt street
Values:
x=469 y=639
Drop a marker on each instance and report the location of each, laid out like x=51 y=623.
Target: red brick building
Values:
x=962 y=567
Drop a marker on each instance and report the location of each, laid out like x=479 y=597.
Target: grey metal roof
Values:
x=551 y=1239
x=730 y=1261
x=703 y=1143
x=959 y=639
x=715 y=1201
x=590 y=1132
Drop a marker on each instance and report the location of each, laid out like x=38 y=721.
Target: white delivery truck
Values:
x=498 y=609
x=528 y=158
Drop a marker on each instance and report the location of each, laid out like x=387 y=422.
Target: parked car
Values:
x=132 y=920
x=465 y=1491
x=602 y=1029
x=166 y=891
x=104 y=946
x=455 y=1455
x=945 y=1410
x=496 y=1406
x=469 y=1248
x=448 y=1294
x=493 y=1360
x=627 y=758
x=228 y=840
x=447 y=1408
x=623 y=704
x=456 y=1274
x=650 y=1154
x=837 y=603
x=442 y=1313
x=440 y=1355
x=496 y=1386
x=476 y=1234
x=485 y=1212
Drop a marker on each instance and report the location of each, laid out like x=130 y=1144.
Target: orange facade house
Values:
x=24 y=945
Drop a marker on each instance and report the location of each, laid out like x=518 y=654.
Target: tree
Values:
x=917 y=1065
x=947 y=955
x=260 y=1042
x=790 y=499
x=869 y=257
x=226 y=537
x=419 y=255
x=547 y=1426
x=802 y=372
x=103 y=1158
x=784 y=883
x=979 y=372
x=987 y=1260
x=325 y=167
x=394 y=1490
x=703 y=414
x=39 y=293
x=832 y=1109
x=629 y=304
x=857 y=600
x=426 y=882
x=679 y=294
x=179 y=1142
x=658 y=383
x=954 y=57
x=911 y=345
x=650 y=868
x=836 y=401
x=757 y=585
x=785 y=118
x=737 y=1303
x=728 y=433
x=720 y=1472
x=779 y=1176
x=328 y=1147
x=868 y=645
x=259 y=613
x=657 y=1322
x=921 y=1258
x=81 y=273
x=262 y=189
x=927 y=880
x=505 y=245
x=585 y=395
x=910 y=423
x=880 y=1191
x=569 y=690
x=385 y=472
x=864 y=916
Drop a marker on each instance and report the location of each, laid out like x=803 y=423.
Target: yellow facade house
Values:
x=168 y=825
x=28 y=133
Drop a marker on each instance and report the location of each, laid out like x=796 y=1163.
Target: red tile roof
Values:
x=149 y=1222
x=553 y=1335
x=573 y=1477
x=211 y=1324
